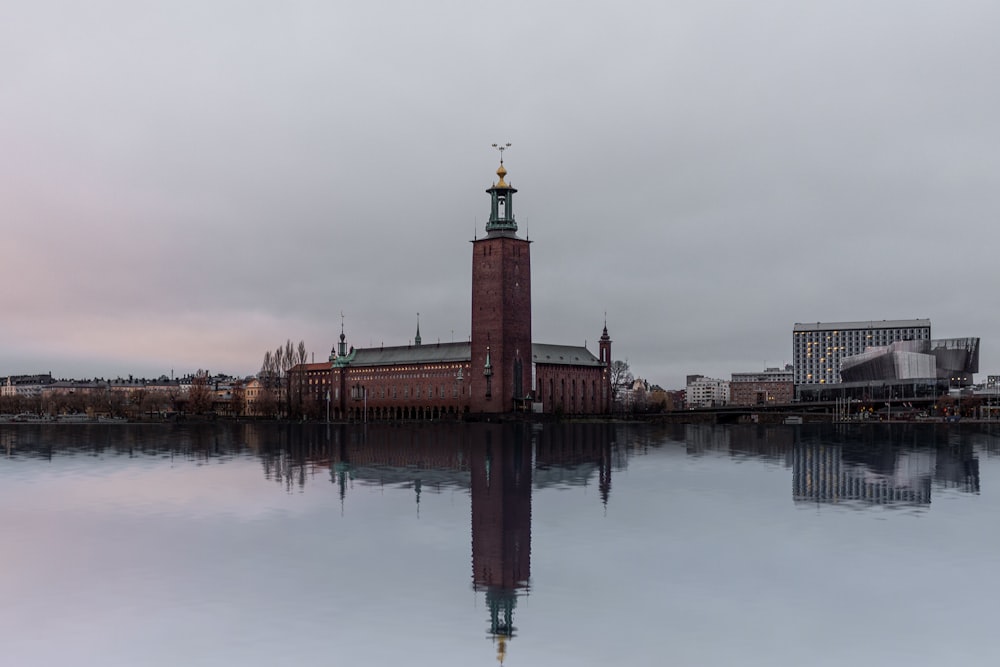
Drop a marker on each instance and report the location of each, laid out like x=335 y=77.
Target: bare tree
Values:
x=275 y=375
x=238 y=402
x=621 y=377
x=200 y=395
x=10 y=404
x=153 y=402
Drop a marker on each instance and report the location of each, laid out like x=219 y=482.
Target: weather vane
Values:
x=501 y=148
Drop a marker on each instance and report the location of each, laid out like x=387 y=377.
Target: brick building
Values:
x=499 y=370
x=772 y=386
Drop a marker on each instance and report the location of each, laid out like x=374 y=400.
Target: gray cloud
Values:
x=188 y=185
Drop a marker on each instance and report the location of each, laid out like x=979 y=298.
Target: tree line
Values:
x=134 y=402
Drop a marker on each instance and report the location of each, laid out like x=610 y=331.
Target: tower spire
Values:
x=605 y=344
x=501 y=199
x=416 y=339
x=342 y=347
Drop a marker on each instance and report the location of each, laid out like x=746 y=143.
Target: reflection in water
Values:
x=822 y=474
x=501 y=465
x=501 y=526
x=870 y=465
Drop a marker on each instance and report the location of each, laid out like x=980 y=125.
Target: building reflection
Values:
x=822 y=474
x=879 y=475
x=869 y=465
x=501 y=526
x=500 y=465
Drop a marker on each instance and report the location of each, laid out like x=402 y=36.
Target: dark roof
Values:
x=438 y=353
x=432 y=353
x=566 y=355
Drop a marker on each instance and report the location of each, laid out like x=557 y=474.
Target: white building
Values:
x=703 y=392
x=818 y=348
x=25 y=386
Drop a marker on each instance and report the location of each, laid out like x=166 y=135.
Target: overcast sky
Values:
x=185 y=185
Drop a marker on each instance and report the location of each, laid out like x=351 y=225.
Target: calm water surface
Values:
x=587 y=544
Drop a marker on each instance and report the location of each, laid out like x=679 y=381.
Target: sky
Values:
x=186 y=185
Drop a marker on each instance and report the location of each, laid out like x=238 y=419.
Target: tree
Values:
x=266 y=404
x=621 y=377
x=238 y=402
x=10 y=404
x=292 y=357
x=135 y=399
x=200 y=395
x=275 y=376
x=153 y=402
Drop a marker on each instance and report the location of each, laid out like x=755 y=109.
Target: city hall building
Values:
x=499 y=370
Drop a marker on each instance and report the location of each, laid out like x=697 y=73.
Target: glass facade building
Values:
x=818 y=348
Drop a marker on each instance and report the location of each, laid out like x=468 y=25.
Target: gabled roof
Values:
x=441 y=353
x=565 y=355
x=432 y=353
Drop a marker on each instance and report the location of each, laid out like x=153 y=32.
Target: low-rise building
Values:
x=772 y=386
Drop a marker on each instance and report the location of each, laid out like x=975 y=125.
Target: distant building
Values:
x=704 y=392
x=25 y=385
x=76 y=387
x=772 y=386
x=954 y=360
x=819 y=348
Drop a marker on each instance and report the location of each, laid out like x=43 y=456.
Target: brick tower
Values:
x=501 y=308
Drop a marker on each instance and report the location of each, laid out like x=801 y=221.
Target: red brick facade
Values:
x=501 y=323
x=498 y=371
x=761 y=393
x=573 y=390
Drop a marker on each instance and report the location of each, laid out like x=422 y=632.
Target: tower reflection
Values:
x=500 y=464
x=501 y=525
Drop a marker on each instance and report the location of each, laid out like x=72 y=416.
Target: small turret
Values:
x=342 y=346
x=605 y=345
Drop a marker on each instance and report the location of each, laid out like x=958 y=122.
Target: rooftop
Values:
x=863 y=324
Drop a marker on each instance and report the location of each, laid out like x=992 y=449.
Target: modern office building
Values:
x=819 y=348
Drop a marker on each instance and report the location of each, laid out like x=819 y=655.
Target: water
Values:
x=456 y=544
